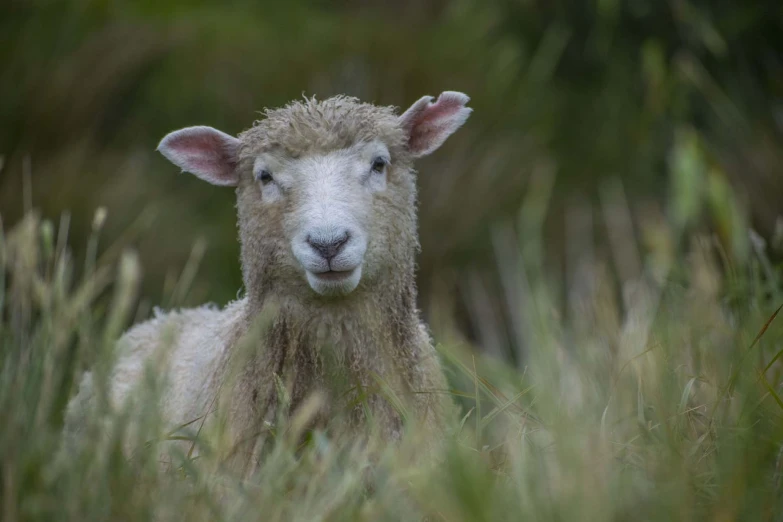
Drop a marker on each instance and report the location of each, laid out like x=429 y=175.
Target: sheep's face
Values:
x=331 y=210
x=326 y=190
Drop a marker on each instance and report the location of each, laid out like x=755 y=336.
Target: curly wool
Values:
x=303 y=127
x=314 y=345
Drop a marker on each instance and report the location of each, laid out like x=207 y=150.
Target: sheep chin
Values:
x=332 y=284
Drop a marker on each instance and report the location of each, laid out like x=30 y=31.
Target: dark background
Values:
x=588 y=117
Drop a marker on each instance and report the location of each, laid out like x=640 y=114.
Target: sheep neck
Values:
x=340 y=346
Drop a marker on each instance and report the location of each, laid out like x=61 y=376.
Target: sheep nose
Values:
x=328 y=245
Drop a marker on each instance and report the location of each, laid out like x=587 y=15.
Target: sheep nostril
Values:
x=328 y=246
x=342 y=240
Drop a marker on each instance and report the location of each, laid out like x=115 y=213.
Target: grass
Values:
x=656 y=400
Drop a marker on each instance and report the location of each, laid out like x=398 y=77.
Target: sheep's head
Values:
x=326 y=190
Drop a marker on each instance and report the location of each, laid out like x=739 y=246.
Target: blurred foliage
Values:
x=589 y=117
x=665 y=406
x=607 y=222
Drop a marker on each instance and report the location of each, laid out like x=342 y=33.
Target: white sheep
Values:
x=326 y=200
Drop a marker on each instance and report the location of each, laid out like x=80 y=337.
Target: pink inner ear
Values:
x=204 y=151
x=429 y=124
x=445 y=106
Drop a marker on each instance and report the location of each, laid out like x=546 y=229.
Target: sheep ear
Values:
x=206 y=152
x=429 y=122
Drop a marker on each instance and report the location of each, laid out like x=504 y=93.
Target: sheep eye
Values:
x=378 y=164
x=264 y=177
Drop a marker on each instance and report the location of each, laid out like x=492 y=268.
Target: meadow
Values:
x=656 y=401
x=600 y=264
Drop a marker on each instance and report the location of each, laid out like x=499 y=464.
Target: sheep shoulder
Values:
x=181 y=348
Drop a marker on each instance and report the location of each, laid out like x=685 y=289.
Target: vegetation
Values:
x=600 y=260
x=669 y=411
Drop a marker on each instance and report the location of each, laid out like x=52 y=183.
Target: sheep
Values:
x=326 y=201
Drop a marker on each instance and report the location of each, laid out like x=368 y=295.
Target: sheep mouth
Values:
x=334 y=275
x=334 y=282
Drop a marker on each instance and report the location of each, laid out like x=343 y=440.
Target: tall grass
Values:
x=658 y=400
